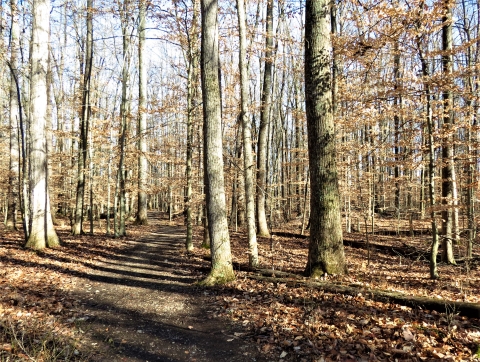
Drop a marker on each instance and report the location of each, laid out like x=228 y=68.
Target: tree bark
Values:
x=247 y=139
x=448 y=169
x=120 y=228
x=42 y=232
x=264 y=121
x=77 y=227
x=431 y=161
x=326 y=254
x=191 y=112
x=14 y=175
x=221 y=269
x=142 y=218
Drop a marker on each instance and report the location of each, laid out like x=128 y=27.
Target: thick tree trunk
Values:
x=42 y=232
x=247 y=139
x=222 y=269
x=325 y=253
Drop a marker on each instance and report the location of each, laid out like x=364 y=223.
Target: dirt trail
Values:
x=142 y=305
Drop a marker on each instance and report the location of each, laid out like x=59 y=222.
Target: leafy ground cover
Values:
x=294 y=323
x=43 y=316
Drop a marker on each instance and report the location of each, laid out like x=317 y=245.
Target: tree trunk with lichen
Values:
x=221 y=269
x=42 y=232
x=326 y=254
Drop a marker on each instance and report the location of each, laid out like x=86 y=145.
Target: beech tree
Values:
x=325 y=251
x=222 y=269
x=42 y=232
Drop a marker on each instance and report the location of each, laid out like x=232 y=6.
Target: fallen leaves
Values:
x=295 y=323
x=40 y=318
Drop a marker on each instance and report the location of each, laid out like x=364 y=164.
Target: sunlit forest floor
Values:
x=47 y=300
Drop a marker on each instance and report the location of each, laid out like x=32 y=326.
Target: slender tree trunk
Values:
x=396 y=118
x=42 y=232
x=121 y=176
x=14 y=175
x=222 y=269
x=431 y=160
x=142 y=218
x=91 y=177
x=325 y=254
x=191 y=112
x=109 y=193
x=247 y=139
x=448 y=168
x=77 y=227
x=264 y=121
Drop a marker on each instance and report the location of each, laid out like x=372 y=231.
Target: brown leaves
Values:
x=300 y=324
x=38 y=312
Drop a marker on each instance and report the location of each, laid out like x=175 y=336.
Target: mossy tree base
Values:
x=40 y=241
x=141 y=222
x=217 y=277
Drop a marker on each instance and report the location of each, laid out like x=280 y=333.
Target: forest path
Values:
x=142 y=305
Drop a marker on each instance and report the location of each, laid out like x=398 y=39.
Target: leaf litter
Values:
x=41 y=319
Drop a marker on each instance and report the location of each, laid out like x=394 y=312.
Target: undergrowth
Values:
x=36 y=342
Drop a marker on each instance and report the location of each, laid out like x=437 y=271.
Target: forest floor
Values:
x=136 y=299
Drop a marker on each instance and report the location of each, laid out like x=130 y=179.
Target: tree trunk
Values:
x=121 y=176
x=247 y=139
x=191 y=112
x=77 y=227
x=14 y=175
x=396 y=118
x=264 y=121
x=42 y=232
x=325 y=253
x=431 y=161
x=222 y=269
x=448 y=168
x=142 y=118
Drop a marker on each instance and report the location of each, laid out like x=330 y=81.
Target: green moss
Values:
x=218 y=277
